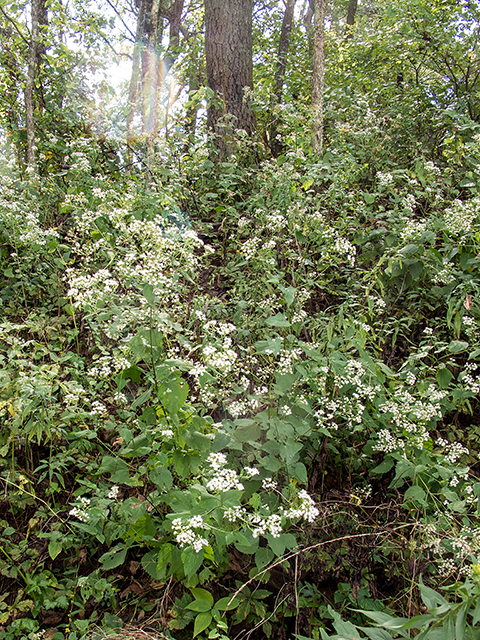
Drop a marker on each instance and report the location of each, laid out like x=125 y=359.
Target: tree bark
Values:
x=276 y=146
x=318 y=79
x=228 y=52
x=351 y=11
x=29 y=102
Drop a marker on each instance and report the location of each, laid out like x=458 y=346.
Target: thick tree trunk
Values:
x=228 y=51
x=29 y=102
x=276 y=145
x=318 y=80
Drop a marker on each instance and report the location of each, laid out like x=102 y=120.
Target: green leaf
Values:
x=203 y=595
x=141 y=399
x=430 y=597
x=460 y=622
x=476 y=613
x=289 y=295
x=278 y=321
x=417 y=494
x=383 y=467
x=223 y=605
x=192 y=561
x=456 y=346
x=277 y=545
x=55 y=546
x=444 y=377
x=113 y=558
x=202 y=621
x=199 y=605
x=149 y=295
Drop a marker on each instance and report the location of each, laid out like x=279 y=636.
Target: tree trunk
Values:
x=318 y=80
x=29 y=103
x=228 y=51
x=134 y=88
x=148 y=70
x=276 y=146
x=352 y=10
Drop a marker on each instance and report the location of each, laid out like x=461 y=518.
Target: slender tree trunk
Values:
x=307 y=13
x=318 y=80
x=283 y=46
x=351 y=11
x=134 y=87
x=228 y=51
x=29 y=102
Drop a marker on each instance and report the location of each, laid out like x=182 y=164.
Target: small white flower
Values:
x=269 y=484
x=113 y=493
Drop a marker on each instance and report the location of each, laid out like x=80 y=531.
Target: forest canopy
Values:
x=239 y=319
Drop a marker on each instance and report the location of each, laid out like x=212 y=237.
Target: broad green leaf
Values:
x=278 y=320
x=223 y=603
x=383 y=467
x=203 y=595
x=113 y=558
x=461 y=621
x=149 y=295
x=456 y=346
x=55 y=546
x=199 y=605
x=202 y=621
x=417 y=494
x=192 y=561
x=444 y=377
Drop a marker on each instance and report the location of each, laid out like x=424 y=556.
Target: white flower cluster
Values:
x=271 y=524
x=386 y=442
x=108 y=366
x=409 y=202
x=221 y=359
x=306 y=508
x=276 y=221
x=412 y=229
x=185 y=534
x=97 y=408
x=86 y=289
x=385 y=179
x=445 y=275
x=223 y=479
x=460 y=217
x=432 y=169
x=113 y=493
x=338 y=244
x=469 y=382
x=81 y=511
x=269 y=484
x=410 y=378
x=453 y=450
x=250 y=248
